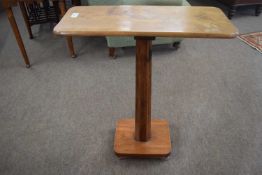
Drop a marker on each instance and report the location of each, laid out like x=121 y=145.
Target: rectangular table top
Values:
x=165 y=21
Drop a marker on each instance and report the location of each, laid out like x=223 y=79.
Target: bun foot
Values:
x=74 y=56
x=176 y=45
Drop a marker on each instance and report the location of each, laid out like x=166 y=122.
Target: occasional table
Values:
x=143 y=137
x=8 y=4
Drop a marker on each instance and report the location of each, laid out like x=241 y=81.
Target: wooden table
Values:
x=143 y=137
x=8 y=4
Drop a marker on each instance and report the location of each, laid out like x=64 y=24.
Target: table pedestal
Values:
x=142 y=137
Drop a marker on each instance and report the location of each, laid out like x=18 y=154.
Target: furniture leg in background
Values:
x=39 y=12
x=76 y=2
x=112 y=52
x=69 y=39
x=258 y=9
x=7 y=4
x=26 y=19
x=15 y=29
x=43 y=11
x=234 y=4
x=232 y=11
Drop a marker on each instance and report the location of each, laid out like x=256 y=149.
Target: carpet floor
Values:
x=58 y=117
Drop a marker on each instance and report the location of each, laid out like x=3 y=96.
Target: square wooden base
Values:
x=158 y=146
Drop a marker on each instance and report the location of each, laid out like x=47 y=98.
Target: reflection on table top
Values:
x=166 y=21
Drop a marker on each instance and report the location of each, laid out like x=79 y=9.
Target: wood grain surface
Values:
x=159 y=144
x=166 y=21
x=143 y=88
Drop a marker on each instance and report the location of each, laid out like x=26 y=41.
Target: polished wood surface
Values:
x=143 y=88
x=167 y=21
x=144 y=137
x=158 y=146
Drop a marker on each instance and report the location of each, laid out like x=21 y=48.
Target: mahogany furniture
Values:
x=8 y=4
x=40 y=11
x=143 y=137
x=233 y=4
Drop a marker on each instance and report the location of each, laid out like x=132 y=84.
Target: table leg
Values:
x=143 y=89
x=69 y=39
x=70 y=45
x=142 y=137
x=18 y=38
